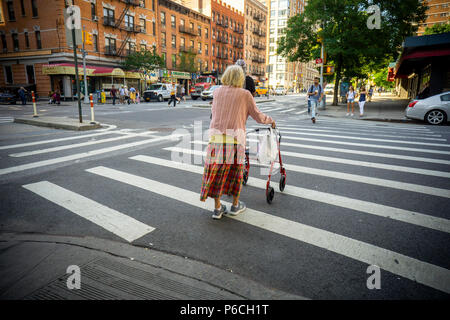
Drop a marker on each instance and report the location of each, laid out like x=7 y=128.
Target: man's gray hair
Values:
x=242 y=64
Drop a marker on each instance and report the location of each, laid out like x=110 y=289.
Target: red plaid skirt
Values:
x=224 y=170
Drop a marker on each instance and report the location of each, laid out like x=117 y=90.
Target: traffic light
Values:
x=87 y=37
x=328 y=70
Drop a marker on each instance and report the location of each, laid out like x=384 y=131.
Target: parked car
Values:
x=280 y=91
x=208 y=93
x=329 y=89
x=158 y=91
x=262 y=91
x=434 y=109
x=8 y=98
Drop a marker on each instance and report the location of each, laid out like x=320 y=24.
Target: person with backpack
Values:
x=315 y=94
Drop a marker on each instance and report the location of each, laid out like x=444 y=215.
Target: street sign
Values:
x=72 y=19
x=319 y=61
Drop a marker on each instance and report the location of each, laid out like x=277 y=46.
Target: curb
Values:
x=59 y=123
x=179 y=266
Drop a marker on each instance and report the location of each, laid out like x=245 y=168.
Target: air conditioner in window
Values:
x=95 y=18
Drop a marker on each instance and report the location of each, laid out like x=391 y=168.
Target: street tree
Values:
x=350 y=45
x=438 y=28
x=187 y=61
x=143 y=62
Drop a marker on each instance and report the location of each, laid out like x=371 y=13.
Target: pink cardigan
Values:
x=230 y=110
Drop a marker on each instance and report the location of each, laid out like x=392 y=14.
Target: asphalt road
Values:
x=358 y=193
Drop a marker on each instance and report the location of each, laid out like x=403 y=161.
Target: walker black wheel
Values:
x=282 y=182
x=270 y=192
x=244 y=182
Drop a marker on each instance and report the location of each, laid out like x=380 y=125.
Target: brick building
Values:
x=255 y=39
x=34 y=48
x=438 y=12
x=184 y=39
x=227 y=25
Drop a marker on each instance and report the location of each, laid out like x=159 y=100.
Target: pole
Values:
x=321 y=73
x=35 y=115
x=77 y=80
x=86 y=99
x=92 y=108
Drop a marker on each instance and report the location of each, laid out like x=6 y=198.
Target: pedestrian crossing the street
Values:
x=325 y=164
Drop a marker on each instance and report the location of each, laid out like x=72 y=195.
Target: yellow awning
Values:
x=133 y=75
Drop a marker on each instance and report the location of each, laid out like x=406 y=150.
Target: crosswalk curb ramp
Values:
x=59 y=123
x=115 y=271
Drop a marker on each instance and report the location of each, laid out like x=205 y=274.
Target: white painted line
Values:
x=20 y=145
x=365 y=153
x=356 y=123
x=114 y=221
x=442 y=145
x=378 y=146
x=412 y=217
x=82 y=144
x=270 y=109
x=288 y=110
x=396 y=263
x=301 y=112
x=285 y=130
x=358 y=130
x=85 y=154
x=275 y=109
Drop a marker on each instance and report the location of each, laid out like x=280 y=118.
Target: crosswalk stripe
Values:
x=82 y=144
x=378 y=146
x=399 y=264
x=355 y=123
x=275 y=109
x=301 y=112
x=353 y=162
x=114 y=221
x=442 y=145
x=300 y=131
x=367 y=153
x=357 y=130
x=87 y=154
x=28 y=144
x=357 y=178
x=288 y=110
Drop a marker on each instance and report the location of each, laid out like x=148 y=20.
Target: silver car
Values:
x=434 y=110
x=208 y=94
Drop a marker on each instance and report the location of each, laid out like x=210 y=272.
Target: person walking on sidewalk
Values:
x=370 y=94
x=362 y=101
x=315 y=94
x=113 y=94
x=122 y=95
x=225 y=154
x=351 y=96
x=23 y=95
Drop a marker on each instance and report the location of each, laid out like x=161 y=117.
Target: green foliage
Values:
x=437 y=28
x=187 y=62
x=380 y=79
x=350 y=45
x=143 y=61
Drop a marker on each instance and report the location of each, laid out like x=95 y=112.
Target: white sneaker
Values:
x=347 y=114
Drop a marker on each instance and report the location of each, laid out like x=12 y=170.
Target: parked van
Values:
x=158 y=91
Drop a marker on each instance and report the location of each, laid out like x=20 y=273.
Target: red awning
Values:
x=427 y=53
x=69 y=68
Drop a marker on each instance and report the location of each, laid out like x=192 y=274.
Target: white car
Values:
x=280 y=91
x=434 y=110
x=158 y=91
x=329 y=89
x=208 y=94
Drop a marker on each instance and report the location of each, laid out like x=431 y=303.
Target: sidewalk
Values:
x=33 y=266
x=386 y=107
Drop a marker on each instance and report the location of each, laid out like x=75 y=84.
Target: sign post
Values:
x=73 y=23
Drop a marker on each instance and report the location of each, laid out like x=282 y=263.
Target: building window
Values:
x=143 y=25
x=154 y=28
x=182 y=43
x=93 y=11
x=153 y=5
x=192 y=44
x=163 y=18
x=129 y=22
x=164 y=57
x=15 y=39
x=30 y=74
x=199 y=28
x=8 y=74
x=108 y=16
x=173 y=22
x=10 y=8
x=27 y=40
x=95 y=42
x=206 y=33
x=199 y=47
x=163 y=39
x=191 y=26
x=4 y=44
x=34 y=8
x=110 y=45
x=181 y=22
x=206 y=49
x=22 y=7
x=174 y=41
x=174 y=60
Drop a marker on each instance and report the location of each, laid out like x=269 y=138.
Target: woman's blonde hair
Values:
x=233 y=76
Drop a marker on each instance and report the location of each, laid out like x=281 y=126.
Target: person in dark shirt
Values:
x=249 y=82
